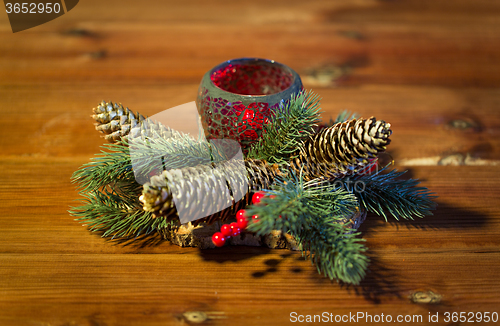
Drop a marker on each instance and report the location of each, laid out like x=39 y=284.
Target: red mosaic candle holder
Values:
x=237 y=97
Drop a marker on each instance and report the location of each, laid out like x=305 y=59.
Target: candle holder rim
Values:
x=296 y=78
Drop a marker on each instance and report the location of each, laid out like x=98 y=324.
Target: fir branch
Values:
x=155 y=153
x=110 y=188
x=144 y=155
x=116 y=163
x=343 y=116
x=315 y=214
x=108 y=167
x=384 y=194
x=293 y=122
x=108 y=213
x=337 y=255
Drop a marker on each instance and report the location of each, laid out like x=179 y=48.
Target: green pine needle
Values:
x=106 y=168
x=288 y=126
x=343 y=116
x=312 y=212
x=108 y=213
x=385 y=194
x=109 y=187
x=179 y=151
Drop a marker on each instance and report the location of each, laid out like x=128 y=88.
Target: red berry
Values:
x=235 y=229
x=225 y=230
x=255 y=218
x=241 y=219
x=218 y=239
x=240 y=213
x=242 y=222
x=256 y=198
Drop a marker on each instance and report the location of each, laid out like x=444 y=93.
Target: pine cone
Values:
x=119 y=123
x=205 y=186
x=344 y=148
x=114 y=120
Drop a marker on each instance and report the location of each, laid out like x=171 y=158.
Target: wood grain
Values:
x=430 y=68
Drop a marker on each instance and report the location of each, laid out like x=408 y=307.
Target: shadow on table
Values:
x=380 y=281
x=445 y=217
x=232 y=253
x=140 y=242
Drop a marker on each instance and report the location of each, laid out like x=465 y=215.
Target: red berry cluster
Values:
x=235 y=228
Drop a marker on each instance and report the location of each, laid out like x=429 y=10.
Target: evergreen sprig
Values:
x=154 y=154
x=146 y=156
x=110 y=194
x=288 y=126
x=108 y=167
x=111 y=214
x=384 y=194
x=343 y=116
x=109 y=185
x=315 y=213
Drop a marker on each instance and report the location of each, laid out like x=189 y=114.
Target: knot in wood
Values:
x=425 y=297
x=196 y=317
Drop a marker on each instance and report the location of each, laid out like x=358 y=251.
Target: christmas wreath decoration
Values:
x=301 y=178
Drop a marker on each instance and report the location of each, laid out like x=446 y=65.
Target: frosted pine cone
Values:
x=344 y=148
x=202 y=190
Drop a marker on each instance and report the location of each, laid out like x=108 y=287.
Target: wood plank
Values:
x=426 y=121
x=47 y=194
x=154 y=289
x=75 y=276
x=430 y=68
x=364 y=42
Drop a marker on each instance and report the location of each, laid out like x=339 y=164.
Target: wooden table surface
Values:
x=430 y=68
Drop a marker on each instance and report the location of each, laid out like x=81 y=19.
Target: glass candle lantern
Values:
x=237 y=97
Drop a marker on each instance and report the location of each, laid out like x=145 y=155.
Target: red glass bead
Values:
x=226 y=230
x=218 y=239
x=240 y=213
x=242 y=222
x=256 y=198
x=241 y=219
x=235 y=229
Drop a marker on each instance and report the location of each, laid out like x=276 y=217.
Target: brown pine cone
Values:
x=119 y=123
x=344 y=148
x=114 y=120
